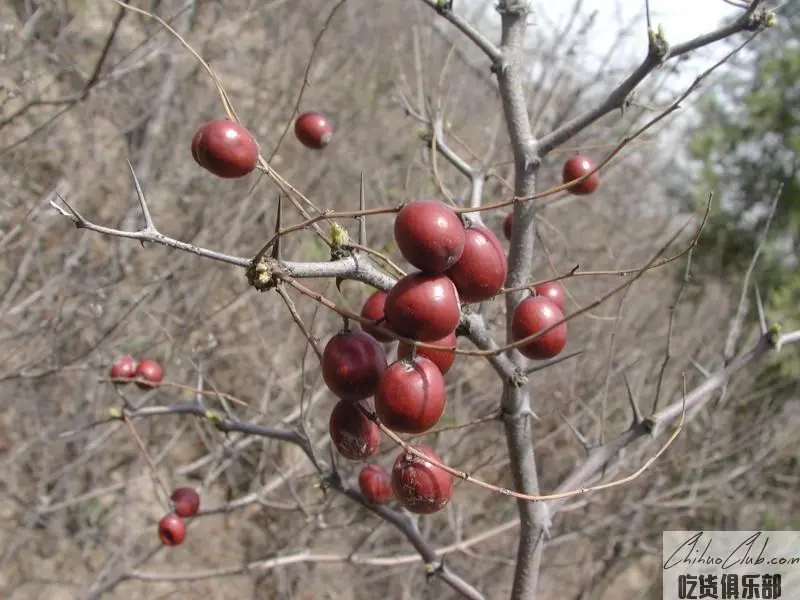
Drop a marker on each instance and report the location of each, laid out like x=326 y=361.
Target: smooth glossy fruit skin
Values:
x=186 y=501
x=353 y=434
x=313 y=129
x=123 y=370
x=430 y=235
x=481 y=271
x=552 y=290
x=352 y=365
x=375 y=484
x=578 y=166
x=420 y=486
x=225 y=148
x=443 y=359
x=532 y=315
x=508 y=223
x=171 y=530
x=411 y=395
x=423 y=307
x=373 y=310
x=151 y=372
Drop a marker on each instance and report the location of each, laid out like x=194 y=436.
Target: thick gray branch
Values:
x=516 y=403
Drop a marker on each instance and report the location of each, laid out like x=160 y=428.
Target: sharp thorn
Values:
x=362 y=221
x=276 y=249
x=637 y=414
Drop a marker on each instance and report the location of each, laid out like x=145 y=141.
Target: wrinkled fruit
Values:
x=420 y=486
x=352 y=433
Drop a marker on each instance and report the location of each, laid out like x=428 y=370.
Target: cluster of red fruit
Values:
x=172 y=527
x=228 y=150
x=456 y=263
x=147 y=373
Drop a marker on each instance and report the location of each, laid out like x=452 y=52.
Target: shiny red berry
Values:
x=313 y=129
x=576 y=167
x=481 y=271
x=535 y=314
x=123 y=370
x=171 y=530
x=411 y=395
x=423 y=307
x=552 y=290
x=225 y=148
x=430 y=235
x=150 y=372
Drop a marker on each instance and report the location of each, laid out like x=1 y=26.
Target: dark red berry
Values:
x=352 y=433
x=352 y=364
x=373 y=310
x=576 y=167
x=443 y=359
x=375 y=484
x=508 y=223
x=186 y=501
x=150 y=372
x=313 y=129
x=123 y=370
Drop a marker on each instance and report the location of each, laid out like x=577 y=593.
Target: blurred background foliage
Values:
x=744 y=145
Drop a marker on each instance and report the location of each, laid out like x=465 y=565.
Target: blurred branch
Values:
x=445 y=10
x=434 y=564
x=693 y=401
x=735 y=329
x=658 y=52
